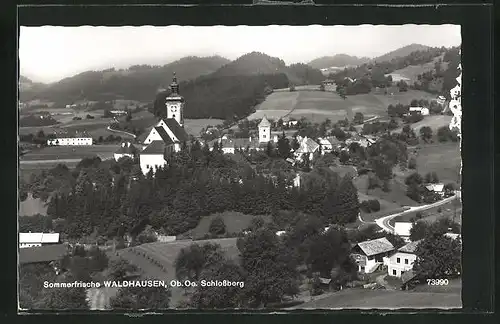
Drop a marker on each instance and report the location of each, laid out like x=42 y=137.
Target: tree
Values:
x=426 y=133
x=322 y=87
x=438 y=256
x=129 y=115
x=403 y=86
x=217 y=226
x=193 y=259
x=341 y=205
x=295 y=144
x=412 y=163
x=137 y=298
x=358 y=118
x=120 y=268
x=283 y=147
x=270 y=267
x=219 y=297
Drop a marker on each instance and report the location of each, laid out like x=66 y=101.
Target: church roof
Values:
x=164 y=136
x=156 y=147
x=264 y=122
x=177 y=129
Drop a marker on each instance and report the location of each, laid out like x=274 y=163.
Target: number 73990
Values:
x=437 y=282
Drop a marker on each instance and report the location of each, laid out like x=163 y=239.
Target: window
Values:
x=147 y=166
x=398 y=260
x=394 y=273
x=362 y=268
x=406 y=261
x=263 y=136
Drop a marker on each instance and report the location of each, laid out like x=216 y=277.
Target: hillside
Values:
x=401 y=52
x=255 y=63
x=338 y=60
x=139 y=82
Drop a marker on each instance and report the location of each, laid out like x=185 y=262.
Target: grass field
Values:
x=386 y=299
x=443 y=158
x=411 y=72
x=146 y=255
x=433 y=121
x=319 y=105
x=433 y=214
x=66 y=152
x=386 y=208
x=235 y=222
x=32 y=206
x=397 y=194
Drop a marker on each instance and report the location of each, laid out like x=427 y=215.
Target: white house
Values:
x=362 y=141
x=329 y=144
x=420 y=110
x=126 y=150
x=71 y=139
x=27 y=240
x=402 y=260
x=436 y=187
x=307 y=147
x=402 y=229
x=369 y=255
x=264 y=130
x=441 y=100
x=167 y=136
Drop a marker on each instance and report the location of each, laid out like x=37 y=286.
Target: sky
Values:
x=50 y=53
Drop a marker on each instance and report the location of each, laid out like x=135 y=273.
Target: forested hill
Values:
x=338 y=60
x=401 y=52
x=227 y=97
x=139 y=82
x=259 y=63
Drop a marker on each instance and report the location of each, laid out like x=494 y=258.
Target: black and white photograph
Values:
x=239 y=167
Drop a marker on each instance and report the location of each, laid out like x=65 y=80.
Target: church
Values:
x=167 y=136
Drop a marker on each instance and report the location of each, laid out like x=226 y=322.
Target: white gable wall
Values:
x=153 y=136
x=406 y=260
x=151 y=161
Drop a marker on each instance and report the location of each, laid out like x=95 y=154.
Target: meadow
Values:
x=70 y=152
x=32 y=206
x=235 y=222
x=411 y=72
x=156 y=260
x=319 y=105
x=451 y=210
x=443 y=158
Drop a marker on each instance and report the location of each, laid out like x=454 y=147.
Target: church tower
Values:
x=175 y=103
x=264 y=130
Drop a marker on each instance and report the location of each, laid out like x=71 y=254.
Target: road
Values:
x=383 y=222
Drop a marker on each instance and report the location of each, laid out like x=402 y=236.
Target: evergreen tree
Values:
x=283 y=146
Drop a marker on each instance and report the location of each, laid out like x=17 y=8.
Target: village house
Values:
x=27 y=240
x=441 y=100
x=329 y=144
x=167 y=136
x=63 y=138
x=328 y=82
x=48 y=254
x=370 y=255
x=356 y=138
x=126 y=150
x=436 y=187
x=418 y=110
x=403 y=229
x=307 y=147
x=402 y=260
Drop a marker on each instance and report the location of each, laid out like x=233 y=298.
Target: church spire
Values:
x=174 y=86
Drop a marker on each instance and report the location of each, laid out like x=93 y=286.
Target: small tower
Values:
x=264 y=130
x=175 y=103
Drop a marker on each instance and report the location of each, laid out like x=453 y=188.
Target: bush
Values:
x=217 y=226
x=369 y=206
x=412 y=163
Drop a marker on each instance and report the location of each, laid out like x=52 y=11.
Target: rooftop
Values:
x=46 y=253
x=126 y=148
x=177 y=129
x=264 y=122
x=402 y=228
x=38 y=237
x=164 y=136
x=410 y=247
x=156 y=147
x=377 y=246
x=307 y=145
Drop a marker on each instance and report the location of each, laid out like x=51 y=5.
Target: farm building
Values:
x=126 y=150
x=307 y=146
x=419 y=110
x=441 y=100
x=167 y=136
x=403 y=229
x=402 y=260
x=48 y=254
x=27 y=240
x=435 y=187
x=329 y=144
x=369 y=255
x=70 y=139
